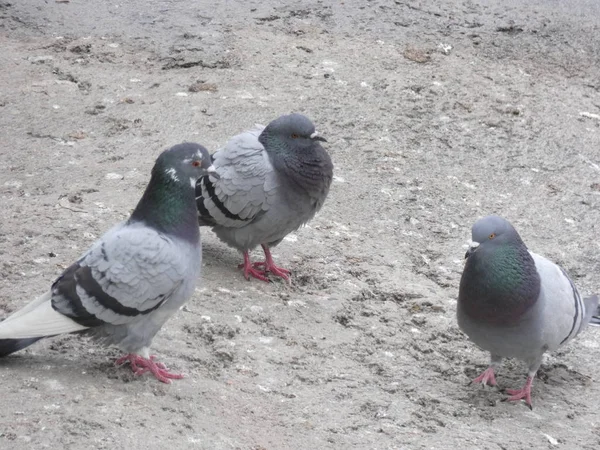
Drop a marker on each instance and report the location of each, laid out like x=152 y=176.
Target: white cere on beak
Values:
x=193 y=182
x=172 y=173
x=211 y=169
x=474 y=244
x=314 y=135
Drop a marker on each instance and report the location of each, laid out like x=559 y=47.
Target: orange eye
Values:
x=196 y=163
x=294 y=136
x=492 y=236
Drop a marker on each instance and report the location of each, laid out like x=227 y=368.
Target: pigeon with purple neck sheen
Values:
x=132 y=279
x=515 y=303
x=273 y=180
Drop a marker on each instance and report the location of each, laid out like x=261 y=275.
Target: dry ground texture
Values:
x=436 y=113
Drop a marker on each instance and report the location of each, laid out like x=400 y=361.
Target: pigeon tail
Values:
x=35 y=321
x=8 y=346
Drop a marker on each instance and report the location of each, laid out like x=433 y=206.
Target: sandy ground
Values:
x=436 y=113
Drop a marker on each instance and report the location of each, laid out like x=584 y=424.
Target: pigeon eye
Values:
x=294 y=136
x=492 y=236
x=196 y=163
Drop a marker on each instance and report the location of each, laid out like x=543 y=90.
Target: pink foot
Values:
x=249 y=270
x=269 y=265
x=262 y=268
x=275 y=270
x=141 y=365
x=521 y=394
x=487 y=377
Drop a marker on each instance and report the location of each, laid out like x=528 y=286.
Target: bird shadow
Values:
x=57 y=365
x=217 y=257
x=33 y=362
x=214 y=254
x=551 y=374
x=560 y=374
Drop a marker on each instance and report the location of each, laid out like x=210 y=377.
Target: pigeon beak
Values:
x=472 y=248
x=213 y=172
x=315 y=137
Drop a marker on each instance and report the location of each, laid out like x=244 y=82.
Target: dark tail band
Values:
x=8 y=346
x=595 y=320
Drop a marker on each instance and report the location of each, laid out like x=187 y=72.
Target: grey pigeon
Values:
x=132 y=279
x=272 y=180
x=516 y=304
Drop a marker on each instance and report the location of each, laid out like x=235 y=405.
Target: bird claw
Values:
x=158 y=363
x=486 y=378
x=259 y=274
x=275 y=270
x=255 y=271
x=261 y=269
x=140 y=366
x=521 y=394
x=280 y=272
x=270 y=267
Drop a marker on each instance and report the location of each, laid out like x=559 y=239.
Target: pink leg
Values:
x=270 y=266
x=487 y=377
x=523 y=393
x=141 y=365
x=250 y=270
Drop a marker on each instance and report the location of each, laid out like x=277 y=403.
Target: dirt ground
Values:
x=436 y=113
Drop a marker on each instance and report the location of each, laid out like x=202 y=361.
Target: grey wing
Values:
x=128 y=273
x=563 y=308
x=247 y=185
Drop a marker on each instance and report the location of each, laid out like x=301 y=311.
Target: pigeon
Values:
x=515 y=303
x=132 y=279
x=273 y=179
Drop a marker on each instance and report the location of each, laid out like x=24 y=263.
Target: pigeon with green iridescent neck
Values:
x=132 y=279
x=516 y=304
x=273 y=180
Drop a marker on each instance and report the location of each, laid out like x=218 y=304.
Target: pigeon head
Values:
x=169 y=203
x=500 y=281
x=492 y=231
x=294 y=149
x=185 y=162
x=293 y=131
